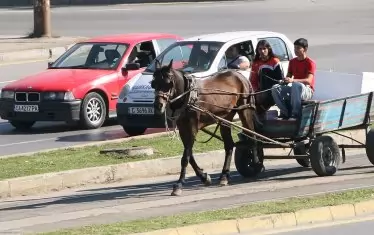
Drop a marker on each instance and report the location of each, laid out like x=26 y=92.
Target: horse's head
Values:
x=164 y=85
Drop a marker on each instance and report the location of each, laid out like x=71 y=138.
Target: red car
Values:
x=83 y=84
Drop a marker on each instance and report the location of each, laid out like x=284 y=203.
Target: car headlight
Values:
x=7 y=94
x=58 y=96
x=69 y=96
x=126 y=89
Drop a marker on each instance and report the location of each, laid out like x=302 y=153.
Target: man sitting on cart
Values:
x=298 y=85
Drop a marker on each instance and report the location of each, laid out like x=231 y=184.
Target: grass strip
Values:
x=250 y=210
x=84 y=157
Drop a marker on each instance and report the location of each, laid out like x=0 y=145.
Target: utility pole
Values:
x=42 y=18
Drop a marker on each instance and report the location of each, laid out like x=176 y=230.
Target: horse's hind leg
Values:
x=247 y=118
x=228 y=143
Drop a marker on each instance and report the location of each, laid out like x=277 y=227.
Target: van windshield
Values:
x=195 y=56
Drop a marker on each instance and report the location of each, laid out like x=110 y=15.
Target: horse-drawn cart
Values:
x=307 y=136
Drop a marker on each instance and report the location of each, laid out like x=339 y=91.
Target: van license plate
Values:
x=141 y=110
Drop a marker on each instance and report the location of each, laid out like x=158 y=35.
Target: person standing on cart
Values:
x=298 y=85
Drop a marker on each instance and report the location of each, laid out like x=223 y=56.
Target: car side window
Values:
x=279 y=48
x=244 y=48
x=163 y=43
x=142 y=53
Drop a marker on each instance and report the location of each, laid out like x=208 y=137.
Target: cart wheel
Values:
x=302 y=151
x=244 y=161
x=324 y=156
x=369 y=146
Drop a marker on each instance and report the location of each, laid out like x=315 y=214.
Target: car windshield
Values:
x=195 y=56
x=92 y=56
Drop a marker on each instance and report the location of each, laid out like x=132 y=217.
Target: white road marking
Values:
x=215 y=6
x=27 y=142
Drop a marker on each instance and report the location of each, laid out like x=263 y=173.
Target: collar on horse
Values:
x=190 y=94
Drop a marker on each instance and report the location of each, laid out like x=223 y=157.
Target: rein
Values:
x=192 y=91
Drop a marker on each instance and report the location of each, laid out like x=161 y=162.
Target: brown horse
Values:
x=223 y=94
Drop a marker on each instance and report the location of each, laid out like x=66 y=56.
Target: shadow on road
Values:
x=144 y=191
x=48 y=128
x=193 y=185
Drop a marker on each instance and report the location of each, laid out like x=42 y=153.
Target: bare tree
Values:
x=42 y=18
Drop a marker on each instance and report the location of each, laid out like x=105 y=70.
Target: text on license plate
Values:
x=141 y=110
x=26 y=108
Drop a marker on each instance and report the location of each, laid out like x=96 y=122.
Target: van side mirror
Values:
x=50 y=64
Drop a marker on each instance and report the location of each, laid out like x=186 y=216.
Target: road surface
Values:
x=142 y=198
x=340 y=34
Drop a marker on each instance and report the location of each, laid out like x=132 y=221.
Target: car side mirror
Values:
x=131 y=66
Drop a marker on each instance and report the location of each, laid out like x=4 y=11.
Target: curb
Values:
x=57 y=181
x=33 y=54
x=273 y=221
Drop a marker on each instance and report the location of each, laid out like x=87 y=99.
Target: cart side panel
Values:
x=371 y=112
x=306 y=120
x=342 y=113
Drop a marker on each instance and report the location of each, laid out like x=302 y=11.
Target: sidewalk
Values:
x=17 y=48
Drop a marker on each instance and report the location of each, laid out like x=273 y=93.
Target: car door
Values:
x=110 y=81
x=281 y=50
x=164 y=43
x=142 y=53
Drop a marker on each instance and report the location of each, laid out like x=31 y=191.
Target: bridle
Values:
x=165 y=95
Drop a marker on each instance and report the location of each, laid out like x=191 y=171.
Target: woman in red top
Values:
x=266 y=71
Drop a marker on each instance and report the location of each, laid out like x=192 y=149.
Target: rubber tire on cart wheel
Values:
x=90 y=100
x=302 y=162
x=321 y=148
x=133 y=131
x=244 y=162
x=21 y=125
x=369 y=146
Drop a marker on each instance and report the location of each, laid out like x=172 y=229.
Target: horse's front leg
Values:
x=188 y=131
x=177 y=188
x=228 y=143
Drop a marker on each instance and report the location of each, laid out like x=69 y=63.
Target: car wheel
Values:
x=93 y=111
x=132 y=131
x=22 y=125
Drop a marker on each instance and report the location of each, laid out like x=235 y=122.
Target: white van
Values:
x=135 y=111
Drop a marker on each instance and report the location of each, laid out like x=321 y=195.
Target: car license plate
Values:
x=141 y=110
x=26 y=108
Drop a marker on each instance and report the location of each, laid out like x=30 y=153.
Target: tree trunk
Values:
x=42 y=18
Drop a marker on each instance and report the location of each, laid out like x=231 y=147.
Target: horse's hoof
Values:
x=208 y=180
x=176 y=192
x=223 y=182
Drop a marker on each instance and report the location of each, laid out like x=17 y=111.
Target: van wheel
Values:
x=93 y=111
x=133 y=131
